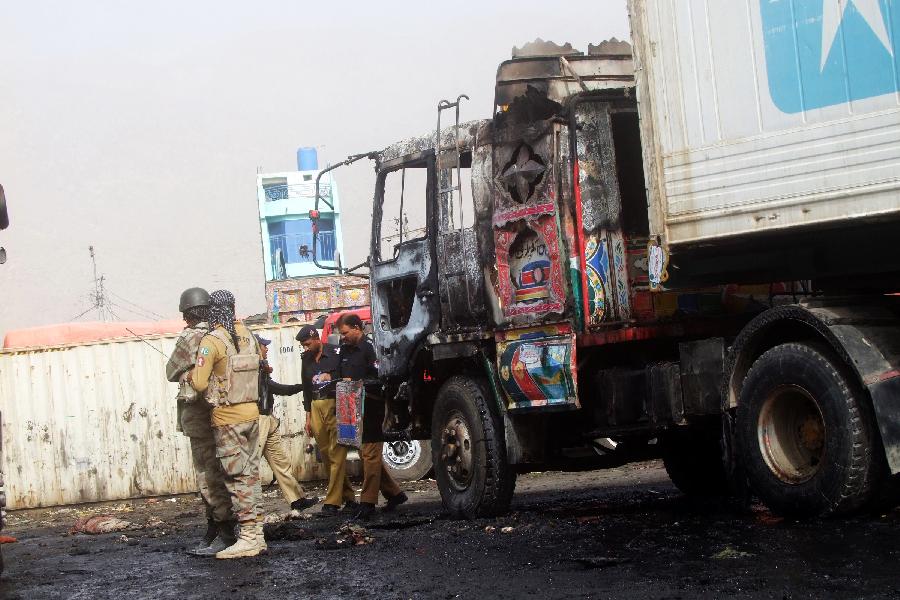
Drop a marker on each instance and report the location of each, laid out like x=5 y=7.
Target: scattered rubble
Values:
x=289 y=530
x=346 y=536
x=100 y=524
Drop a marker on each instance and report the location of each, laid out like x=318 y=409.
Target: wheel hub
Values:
x=456 y=451
x=402 y=454
x=792 y=435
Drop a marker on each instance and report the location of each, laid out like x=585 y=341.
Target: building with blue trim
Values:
x=285 y=200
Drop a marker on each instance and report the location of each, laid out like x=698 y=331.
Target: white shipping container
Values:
x=96 y=421
x=760 y=115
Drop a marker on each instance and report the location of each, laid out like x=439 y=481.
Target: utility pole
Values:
x=99 y=296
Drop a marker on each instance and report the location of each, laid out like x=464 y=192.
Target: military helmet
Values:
x=193 y=297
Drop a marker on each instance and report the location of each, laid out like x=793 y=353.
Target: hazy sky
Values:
x=138 y=127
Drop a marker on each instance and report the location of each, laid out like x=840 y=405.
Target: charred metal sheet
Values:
x=462 y=283
x=415 y=145
x=541 y=48
x=482 y=185
x=523 y=178
x=601 y=202
x=612 y=46
x=404 y=290
x=558 y=72
x=441 y=337
x=702 y=367
x=404 y=306
x=623 y=394
x=666 y=405
x=454 y=350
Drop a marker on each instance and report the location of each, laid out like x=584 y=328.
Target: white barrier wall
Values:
x=96 y=421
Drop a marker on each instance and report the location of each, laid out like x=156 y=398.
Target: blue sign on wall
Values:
x=825 y=52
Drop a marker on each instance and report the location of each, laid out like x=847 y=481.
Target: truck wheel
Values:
x=469 y=451
x=806 y=436
x=693 y=459
x=407 y=461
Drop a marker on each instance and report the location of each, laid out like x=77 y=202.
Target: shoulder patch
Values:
x=201 y=361
x=204 y=351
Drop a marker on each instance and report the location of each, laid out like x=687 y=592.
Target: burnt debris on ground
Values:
x=620 y=533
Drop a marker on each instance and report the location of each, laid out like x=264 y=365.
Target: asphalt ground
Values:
x=618 y=533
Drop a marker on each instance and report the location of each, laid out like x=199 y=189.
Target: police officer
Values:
x=194 y=422
x=358 y=362
x=227 y=370
x=320 y=364
x=270 y=437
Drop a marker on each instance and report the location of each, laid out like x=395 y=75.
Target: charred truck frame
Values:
x=549 y=324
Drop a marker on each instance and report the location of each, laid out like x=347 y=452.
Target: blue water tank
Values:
x=307 y=159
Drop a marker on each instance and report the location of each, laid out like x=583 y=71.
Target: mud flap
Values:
x=886 y=401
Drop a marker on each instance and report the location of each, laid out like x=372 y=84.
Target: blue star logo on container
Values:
x=829 y=52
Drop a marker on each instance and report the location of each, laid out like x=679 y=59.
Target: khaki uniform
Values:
x=194 y=422
x=358 y=362
x=375 y=475
x=334 y=456
x=273 y=451
x=235 y=427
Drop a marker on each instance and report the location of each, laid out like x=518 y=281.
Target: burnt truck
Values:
x=642 y=252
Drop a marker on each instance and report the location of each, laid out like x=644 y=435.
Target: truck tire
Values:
x=469 y=451
x=693 y=459
x=407 y=460
x=806 y=435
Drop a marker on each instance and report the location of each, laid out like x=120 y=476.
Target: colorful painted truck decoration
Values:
x=585 y=282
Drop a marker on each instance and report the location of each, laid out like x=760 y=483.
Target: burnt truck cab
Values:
x=496 y=322
x=530 y=319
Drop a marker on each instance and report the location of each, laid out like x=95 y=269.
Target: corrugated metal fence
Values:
x=96 y=421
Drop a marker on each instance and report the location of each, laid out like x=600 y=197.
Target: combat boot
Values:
x=212 y=531
x=225 y=538
x=261 y=536
x=247 y=544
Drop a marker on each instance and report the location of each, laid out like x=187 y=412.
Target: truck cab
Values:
x=531 y=318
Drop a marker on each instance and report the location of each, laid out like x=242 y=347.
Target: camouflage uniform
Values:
x=194 y=422
x=235 y=427
x=238 y=449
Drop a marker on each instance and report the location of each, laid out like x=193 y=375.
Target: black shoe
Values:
x=365 y=512
x=304 y=503
x=350 y=507
x=329 y=510
x=394 y=501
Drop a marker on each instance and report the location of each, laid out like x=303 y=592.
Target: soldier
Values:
x=227 y=369
x=358 y=362
x=270 y=437
x=194 y=422
x=320 y=363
